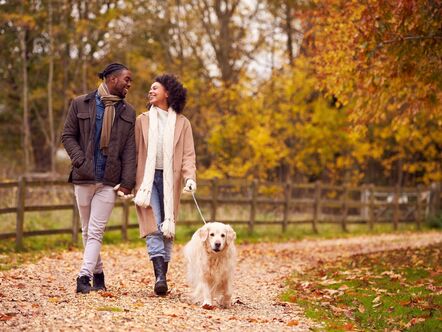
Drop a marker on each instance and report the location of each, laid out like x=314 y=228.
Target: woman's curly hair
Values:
x=176 y=91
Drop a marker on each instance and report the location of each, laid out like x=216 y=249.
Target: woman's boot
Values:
x=160 y=276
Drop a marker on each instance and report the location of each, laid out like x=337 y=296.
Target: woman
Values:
x=165 y=157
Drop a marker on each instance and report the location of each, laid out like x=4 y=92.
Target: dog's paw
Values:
x=208 y=306
x=226 y=304
x=226 y=301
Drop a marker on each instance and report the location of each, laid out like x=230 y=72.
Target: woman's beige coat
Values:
x=183 y=165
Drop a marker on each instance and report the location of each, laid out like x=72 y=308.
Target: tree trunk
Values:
x=52 y=146
x=180 y=38
x=27 y=147
x=400 y=173
x=83 y=54
x=289 y=31
x=66 y=65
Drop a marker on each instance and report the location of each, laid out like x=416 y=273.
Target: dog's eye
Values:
x=212 y=234
x=223 y=235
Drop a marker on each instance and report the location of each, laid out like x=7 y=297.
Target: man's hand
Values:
x=122 y=192
x=190 y=186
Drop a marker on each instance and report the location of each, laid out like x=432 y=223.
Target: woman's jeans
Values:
x=157 y=244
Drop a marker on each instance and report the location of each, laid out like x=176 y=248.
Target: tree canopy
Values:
x=283 y=89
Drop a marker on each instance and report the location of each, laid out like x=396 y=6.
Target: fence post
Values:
x=344 y=208
x=253 y=206
x=419 y=214
x=316 y=206
x=125 y=221
x=287 y=196
x=21 y=197
x=214 y=198
x=371 y=215
x=396 y=210
x=75 y=221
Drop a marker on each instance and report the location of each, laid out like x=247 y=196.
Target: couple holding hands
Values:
x=115 y=153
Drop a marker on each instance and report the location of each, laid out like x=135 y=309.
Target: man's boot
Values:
x=98 y=282
x=83 y=285
x=160 y=276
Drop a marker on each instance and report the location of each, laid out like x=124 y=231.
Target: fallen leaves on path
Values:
x=40 y=296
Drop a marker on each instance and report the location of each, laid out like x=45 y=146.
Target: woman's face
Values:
x=157 y=95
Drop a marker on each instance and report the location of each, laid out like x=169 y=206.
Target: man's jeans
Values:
x=95 y=203
x=157 y=244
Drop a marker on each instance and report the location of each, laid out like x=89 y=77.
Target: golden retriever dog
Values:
x=210 y=258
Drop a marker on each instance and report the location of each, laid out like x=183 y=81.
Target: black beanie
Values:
x=110 y=69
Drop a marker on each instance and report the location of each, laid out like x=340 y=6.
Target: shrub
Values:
x=435 y=221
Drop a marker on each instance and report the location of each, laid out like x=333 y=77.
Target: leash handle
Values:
x=197 y=206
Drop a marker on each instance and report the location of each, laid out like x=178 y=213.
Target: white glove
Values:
x=190 y=186
x=121 y=194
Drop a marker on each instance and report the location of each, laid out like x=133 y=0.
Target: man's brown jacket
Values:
x=78 y=140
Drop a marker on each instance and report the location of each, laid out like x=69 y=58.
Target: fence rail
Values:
x=301 y=203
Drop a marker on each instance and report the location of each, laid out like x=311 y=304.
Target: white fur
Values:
x=210 y=272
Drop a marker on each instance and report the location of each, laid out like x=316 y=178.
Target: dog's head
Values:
x=217 y=235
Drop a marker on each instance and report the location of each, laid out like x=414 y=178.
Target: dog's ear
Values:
x=231 y=235
x=203 y=233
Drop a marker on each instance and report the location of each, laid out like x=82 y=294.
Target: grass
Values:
x=109 y=308
x=38 y=246
x=386 y=291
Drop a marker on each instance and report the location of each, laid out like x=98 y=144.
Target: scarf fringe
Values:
x=168 y=228
x=142 y=198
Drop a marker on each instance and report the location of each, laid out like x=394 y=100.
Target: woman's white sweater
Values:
x=162 y=120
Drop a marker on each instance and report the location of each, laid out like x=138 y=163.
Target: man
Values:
x=99 y=137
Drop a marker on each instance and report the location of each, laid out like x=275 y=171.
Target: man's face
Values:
x=120 y=83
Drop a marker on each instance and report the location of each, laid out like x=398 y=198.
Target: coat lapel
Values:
x=178 y=128
x=145 y=127
x=93 y=112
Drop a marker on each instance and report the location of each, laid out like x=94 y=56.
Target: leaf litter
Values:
x=40 y=296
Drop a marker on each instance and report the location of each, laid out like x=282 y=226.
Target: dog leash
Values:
x=197 y=206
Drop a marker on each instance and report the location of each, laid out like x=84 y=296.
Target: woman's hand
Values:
x=190 y=186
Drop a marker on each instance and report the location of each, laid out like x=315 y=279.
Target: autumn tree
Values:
x=52 y=75
x=16 y=29
x=385 y=55
x=383 y=60
x=285 y=89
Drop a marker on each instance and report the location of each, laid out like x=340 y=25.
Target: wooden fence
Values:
x=262 y=203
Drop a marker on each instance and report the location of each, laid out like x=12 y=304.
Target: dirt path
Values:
x=41 y=296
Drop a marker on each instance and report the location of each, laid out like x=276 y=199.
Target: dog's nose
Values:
x=217 y=245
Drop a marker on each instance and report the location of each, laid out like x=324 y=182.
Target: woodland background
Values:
x=300 y=90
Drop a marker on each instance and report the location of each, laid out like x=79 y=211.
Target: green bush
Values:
x=435 y=221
